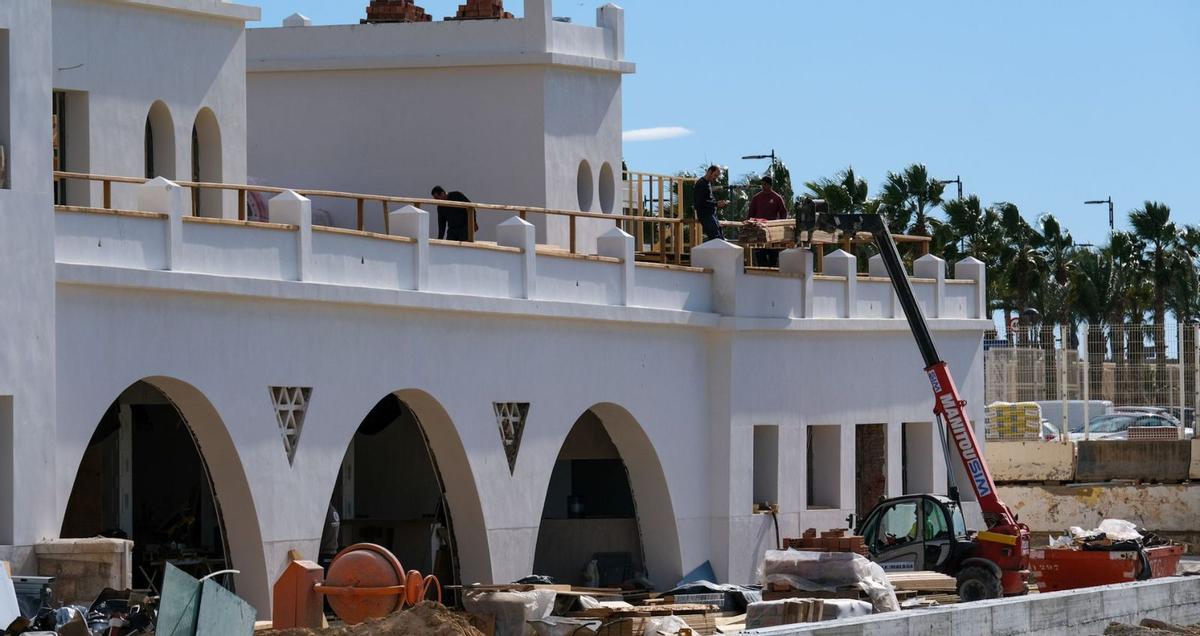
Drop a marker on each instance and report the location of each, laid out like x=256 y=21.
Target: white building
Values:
x=487 y=410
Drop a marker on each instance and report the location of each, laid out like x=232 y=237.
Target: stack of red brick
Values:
x=395 y=11
x=837 y=540
x=482 y=10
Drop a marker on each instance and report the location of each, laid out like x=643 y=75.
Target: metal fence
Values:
x=1142 y=365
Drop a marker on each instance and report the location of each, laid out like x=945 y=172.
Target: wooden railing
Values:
x=668 y=248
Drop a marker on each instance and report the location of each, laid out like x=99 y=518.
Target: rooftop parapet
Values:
x=535 y=39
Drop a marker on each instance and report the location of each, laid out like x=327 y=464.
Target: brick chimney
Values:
x=482 y=10
x=395 y=11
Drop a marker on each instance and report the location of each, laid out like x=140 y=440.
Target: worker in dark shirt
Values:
x=452 y=220
x=707 y=205
x=767 y=204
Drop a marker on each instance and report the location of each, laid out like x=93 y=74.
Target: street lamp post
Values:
x=957 y=180
x=1111 y=223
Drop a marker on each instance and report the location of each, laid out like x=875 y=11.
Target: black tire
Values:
x=976 y=583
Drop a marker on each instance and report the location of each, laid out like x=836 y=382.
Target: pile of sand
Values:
x=428 y=618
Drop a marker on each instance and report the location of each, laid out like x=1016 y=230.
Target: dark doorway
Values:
x=390 y=492
x=143 y=478
x=870 y=466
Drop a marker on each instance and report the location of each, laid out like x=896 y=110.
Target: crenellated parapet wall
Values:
x=289 y=248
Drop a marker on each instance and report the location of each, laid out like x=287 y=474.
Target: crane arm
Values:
x=947 y=403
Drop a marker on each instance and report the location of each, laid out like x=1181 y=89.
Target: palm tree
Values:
x=845 y=192
x=1152 y=224
x=1057 y=246
x=909 y=196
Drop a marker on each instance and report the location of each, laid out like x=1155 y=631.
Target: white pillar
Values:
x=293 y=209
x=930 y=266
x=413 y=222
x=800 y=261
x=876 y=268
x=726 y=262
x=612 y=18
x=165 y=196
x=843 y=263
x=519 y=233
x=971 y=268
x=617 y=243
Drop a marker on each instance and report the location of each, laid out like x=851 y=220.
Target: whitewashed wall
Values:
x=504 y=111
x=128 y=54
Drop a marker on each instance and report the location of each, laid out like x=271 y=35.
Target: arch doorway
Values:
x=144 y=478
x=390 y=491
x=160 y=142
x=607 y=519
x=206 y=163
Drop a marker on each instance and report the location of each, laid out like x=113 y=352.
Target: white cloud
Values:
x=655 y=134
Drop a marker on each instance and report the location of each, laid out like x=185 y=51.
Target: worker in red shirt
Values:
x=767 y=204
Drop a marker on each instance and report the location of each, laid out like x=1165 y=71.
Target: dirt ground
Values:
x=428 y=618
x=1151 y=628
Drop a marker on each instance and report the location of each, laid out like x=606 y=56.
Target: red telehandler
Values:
x=928 y=531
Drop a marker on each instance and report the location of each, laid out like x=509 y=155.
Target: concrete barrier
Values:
x=1194 y=470
x=1031 y=461
x=1133 y=459
x=1071 y=613
x=1169 y=509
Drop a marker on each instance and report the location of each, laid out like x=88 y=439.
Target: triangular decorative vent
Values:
x=510 y=417
x=291 y=403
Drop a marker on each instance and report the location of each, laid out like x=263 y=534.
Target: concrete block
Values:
x=1118 y=605
x=1153 y=596
x=726 y=261
x=934 y=622
x=167 y=197
x=1134 y=459
x=1010 y=618
x=972 y=620
x=1194 y=468
x=1031 y=461
x=843 y=263
x=413 y=222
x=617 y=243
x=293 y=209
x=1084 y=606
x=1048 y=612
x=519 y=233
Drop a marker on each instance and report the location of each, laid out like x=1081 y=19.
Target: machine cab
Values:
x=916 y=532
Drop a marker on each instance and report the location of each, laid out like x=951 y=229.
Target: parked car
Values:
x=1049 y=431
x=1115 y=426
x=1155 y=410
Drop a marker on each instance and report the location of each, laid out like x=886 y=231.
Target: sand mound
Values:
x=428 y=618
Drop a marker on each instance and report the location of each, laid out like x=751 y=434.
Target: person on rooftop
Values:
x=707 y=205
x=767 y=204
x=452 y=220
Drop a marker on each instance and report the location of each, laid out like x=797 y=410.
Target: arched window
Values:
x=584 y=186
x=160 y=142
x=206 y=163
x=608 y=188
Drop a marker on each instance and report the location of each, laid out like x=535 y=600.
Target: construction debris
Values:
x=1115 y=552
x=1151 y=627
x=795 y=573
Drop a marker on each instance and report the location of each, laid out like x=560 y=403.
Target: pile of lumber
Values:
x=632 y=621
x=836 y=540
x=759 y=232
x=923 y=582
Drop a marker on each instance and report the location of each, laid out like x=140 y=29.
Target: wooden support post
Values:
x=387 y=223
x=241 y=205
x=522 y=215
x=471 y=224
x=677 y=238
x=819 y=249
x=107 y=194
x=572 y=225
x=361 y=204
x=846 y=243
x=641 y=211
x=662 y=240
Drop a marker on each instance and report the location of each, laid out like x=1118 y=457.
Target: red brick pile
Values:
x=395 y=11
x=837 y=540
x=482 y=10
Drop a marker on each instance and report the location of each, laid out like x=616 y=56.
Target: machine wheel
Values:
x=977 y=583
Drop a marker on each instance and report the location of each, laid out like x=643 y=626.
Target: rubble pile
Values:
x=1112 y=535
x=1151 y=627
x=428 y=618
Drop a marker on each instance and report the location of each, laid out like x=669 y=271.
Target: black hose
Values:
x=775 y=519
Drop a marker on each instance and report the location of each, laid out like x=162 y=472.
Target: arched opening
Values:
x=607 y=519
x=608 y=188
x=143 y=477
x=405 y=484
x=206 y=163
x=584 y=186
x=160 y=142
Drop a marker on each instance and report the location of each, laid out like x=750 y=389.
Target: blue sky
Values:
x=1044 y=104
